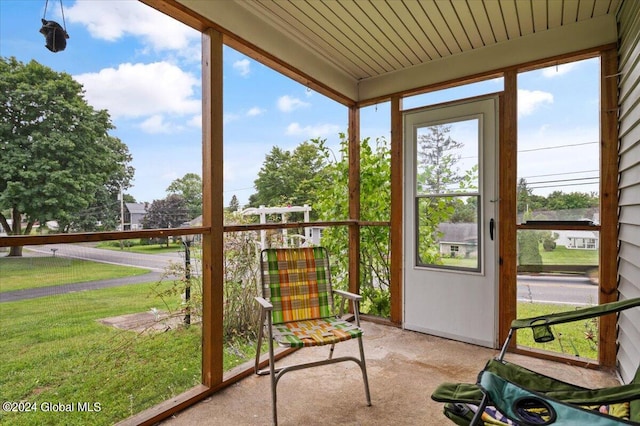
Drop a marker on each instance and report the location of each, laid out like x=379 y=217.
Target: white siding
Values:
x=629 y=234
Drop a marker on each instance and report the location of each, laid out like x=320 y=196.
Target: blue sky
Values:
x=144 y=68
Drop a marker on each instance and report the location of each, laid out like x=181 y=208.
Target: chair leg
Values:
x=258 y=347
x=274 y=383
x=363 y=367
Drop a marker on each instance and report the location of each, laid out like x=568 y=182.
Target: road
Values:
x=155 y=263
x=567 y=289
x=539 y=288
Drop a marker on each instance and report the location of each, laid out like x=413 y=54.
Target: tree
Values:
x=558 y=200
x=273 y=184
x=437 y=158
x=56 y=151
x=190 y=188
x=170 y=212
x=375 y=204
x=289 y=178
x=527 y=200
x=234 y=204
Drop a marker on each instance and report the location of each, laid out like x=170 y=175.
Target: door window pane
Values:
x=447 y=235
x=447 y=182
x=447 y=157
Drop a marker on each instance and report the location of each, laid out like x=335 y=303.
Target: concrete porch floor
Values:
x=404 y=368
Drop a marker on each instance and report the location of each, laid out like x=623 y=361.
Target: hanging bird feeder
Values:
x=55 y=34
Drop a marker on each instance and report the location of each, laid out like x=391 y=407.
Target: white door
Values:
x=450 y=265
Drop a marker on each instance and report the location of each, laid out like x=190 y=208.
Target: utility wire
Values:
x=556 y=146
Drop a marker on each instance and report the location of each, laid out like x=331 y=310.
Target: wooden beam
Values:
x=212 y=209
x=507 y=209
x=354 y=199
x=608 y=203
x=397 y=219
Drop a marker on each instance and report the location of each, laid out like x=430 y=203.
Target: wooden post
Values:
x=507 y=209
x=608 y=203
x=354 y=199
x=212 y=209
x=396 y=230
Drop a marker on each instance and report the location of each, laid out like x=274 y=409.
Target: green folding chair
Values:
x=509 y=394
x=297 y=311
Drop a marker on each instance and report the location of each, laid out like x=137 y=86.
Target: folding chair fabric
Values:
x=316 y=332
x=297 y=284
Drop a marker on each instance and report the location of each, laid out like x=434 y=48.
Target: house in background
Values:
x=585 y=240
x=133 y=215
x=458 y=239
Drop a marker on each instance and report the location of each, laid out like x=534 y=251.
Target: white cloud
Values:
x=196 y=121
x=255 y=111
x=137 y=90
x=530 y=100
x=287 y=103
x=242 y=66
x=294 y=129
x=156 y=124
x=229 y=117
x=113 y=20
x=559 y=70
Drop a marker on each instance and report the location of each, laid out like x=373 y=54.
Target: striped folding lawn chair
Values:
x=297 y=311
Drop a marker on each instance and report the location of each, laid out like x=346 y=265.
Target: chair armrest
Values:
x=266 y=305
x=348 y=295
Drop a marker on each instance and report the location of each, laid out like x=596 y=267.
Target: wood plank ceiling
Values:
x=369 y=38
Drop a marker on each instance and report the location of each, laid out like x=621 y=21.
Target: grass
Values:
x=54 y=350
x=564 y=256
x=18 y=273
x=460 y=262
x=570 y=337
x=558 y=256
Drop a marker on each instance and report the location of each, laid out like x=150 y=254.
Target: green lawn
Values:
x=571 y=338
x=17 y=273
x=53 y=350
x=559 y=256
x=564 y=256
